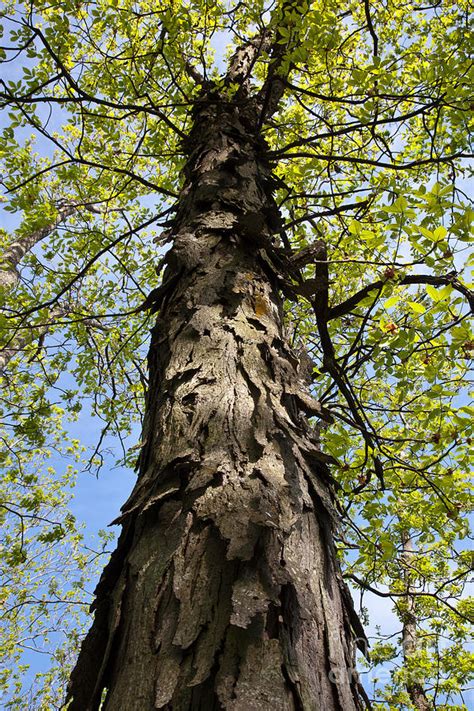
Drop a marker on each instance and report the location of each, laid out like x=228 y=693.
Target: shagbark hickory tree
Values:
x=304 y=420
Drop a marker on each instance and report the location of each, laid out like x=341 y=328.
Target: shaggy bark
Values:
x=224 y=591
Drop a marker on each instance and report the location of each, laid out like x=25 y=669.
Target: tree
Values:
x=317 y=223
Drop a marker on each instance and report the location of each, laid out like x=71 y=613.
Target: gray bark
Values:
x=224 y=591
x=9 y=277
x=15 y=252
x=414 y=685
x=18 y=343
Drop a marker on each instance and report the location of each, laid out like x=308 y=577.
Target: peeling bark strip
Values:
x=224 y=591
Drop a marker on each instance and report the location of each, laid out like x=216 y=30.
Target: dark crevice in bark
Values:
x=259 y=326
x=297 y=703
x=288 y=607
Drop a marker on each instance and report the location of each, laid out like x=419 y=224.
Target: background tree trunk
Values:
x=20 y=246
x=224 y=591
x=414 y=684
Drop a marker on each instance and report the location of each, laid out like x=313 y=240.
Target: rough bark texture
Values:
x=15 y=252
x=224 y=591
x=9 y=276
x=17 y=344
x=414 y=685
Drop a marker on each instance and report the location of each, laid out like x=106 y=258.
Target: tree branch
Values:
x=414 y=593
x=82 y=272
x=330 y=364
x=357 y=126
x=371 y=29
x=17 y=250
x=376 y=163
x=276 y=81
x=242 y=61
x=346 y=306
x=326 y=213
x=96 y=100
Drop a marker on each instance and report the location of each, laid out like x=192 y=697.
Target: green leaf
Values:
x=439 y=294
x=440 y=233
x=392 y=301
x=416 y=307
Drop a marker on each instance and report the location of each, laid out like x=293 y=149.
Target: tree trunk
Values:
x=414 y=685
x=224 y=591
x=15 y=252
